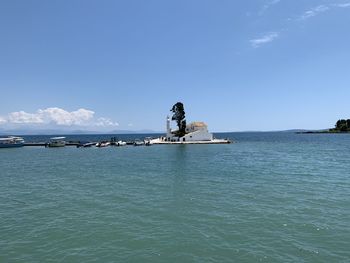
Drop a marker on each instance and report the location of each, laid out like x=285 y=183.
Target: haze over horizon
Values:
x=260 y=65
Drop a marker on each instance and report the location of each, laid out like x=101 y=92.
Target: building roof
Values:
x=197 y=124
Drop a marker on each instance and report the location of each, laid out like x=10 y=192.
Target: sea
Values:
x=267 y=197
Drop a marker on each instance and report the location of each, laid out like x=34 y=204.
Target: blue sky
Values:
x=237 y=65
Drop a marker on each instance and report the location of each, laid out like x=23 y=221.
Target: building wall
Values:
x=200 y=135
x=194 y=131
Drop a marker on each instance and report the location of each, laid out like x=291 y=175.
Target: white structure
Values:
x=196 y=133
x=57 y=142
x=168 y=129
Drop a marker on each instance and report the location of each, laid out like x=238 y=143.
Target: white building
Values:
x=195 y=131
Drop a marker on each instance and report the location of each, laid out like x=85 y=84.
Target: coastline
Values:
x=323 y=132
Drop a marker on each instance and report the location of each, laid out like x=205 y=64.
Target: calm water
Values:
x=270 y=197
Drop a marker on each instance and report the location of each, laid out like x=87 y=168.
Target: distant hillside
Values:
x=66 y=132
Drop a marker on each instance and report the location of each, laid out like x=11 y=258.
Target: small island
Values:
x=192 y=133
x=341 y=126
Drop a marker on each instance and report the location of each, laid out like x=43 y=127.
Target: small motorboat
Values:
x=89 y=144
x=103 y=144
x=86 y=144
x=138 y=142
x=120 y=143
x=56 y=142
x=147 y=141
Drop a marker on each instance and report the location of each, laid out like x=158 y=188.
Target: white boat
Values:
x=86 y=144
x=57 y=142
x=103 y=144
x=120 y=143
x=138 y=142
x=148 y=141
x=11 y=142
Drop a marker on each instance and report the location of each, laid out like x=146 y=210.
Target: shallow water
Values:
x=270 y=197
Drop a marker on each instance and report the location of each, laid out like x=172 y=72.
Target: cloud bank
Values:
x=57 y=116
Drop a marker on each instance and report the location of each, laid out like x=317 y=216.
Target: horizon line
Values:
x=150 y=132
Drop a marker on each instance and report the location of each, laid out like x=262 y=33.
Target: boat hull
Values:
x=56 y=144
x=9 y=145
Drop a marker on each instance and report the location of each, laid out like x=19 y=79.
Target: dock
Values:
x=44 y=144
x=214 y=141
x=76 y=144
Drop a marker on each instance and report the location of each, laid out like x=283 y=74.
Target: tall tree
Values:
x=179 y=116
x=341 y=125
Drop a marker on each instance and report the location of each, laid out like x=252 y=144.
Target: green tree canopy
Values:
x=342 y=125
x=179 y=116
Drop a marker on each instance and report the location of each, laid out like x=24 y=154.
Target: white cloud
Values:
x=57 y=116
x=105 y=122
x=2 y=120
x=305 y=16
x=344 y=5
x=314 y=12
x=24 y=117
x=63 y=117
x=264 y=39
x=321 y=9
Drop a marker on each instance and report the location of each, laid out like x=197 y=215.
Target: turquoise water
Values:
x=270 y=197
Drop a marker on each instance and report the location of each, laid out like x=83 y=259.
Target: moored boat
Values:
x=11 y=142
x=138 y=142
x=86 y=144
x=103 y=144
x=148 y=141
x=57 y=142
x=120 y=143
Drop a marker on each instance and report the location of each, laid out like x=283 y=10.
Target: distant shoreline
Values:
x=323 y=132
x=160 y=133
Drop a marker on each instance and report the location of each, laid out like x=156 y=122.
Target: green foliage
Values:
x=342 y=126
x=179 y=116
